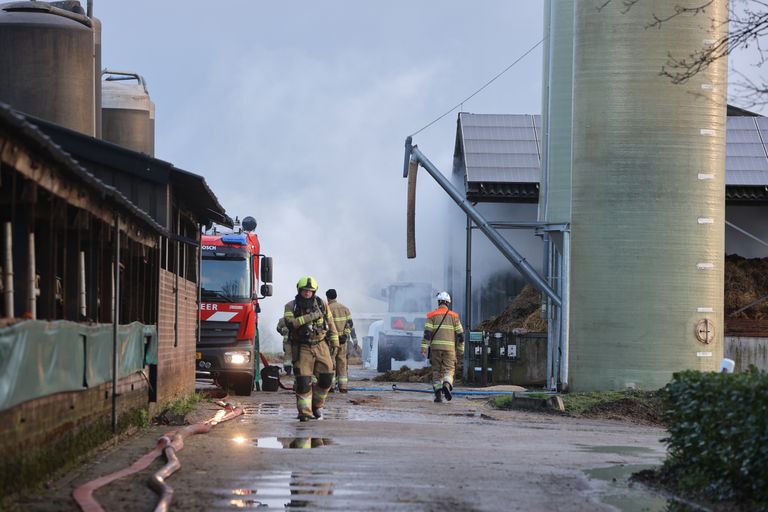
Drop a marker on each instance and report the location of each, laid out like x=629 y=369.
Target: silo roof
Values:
x=495 y=150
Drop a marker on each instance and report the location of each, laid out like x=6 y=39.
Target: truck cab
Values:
x=232 y=269
x=398 y=340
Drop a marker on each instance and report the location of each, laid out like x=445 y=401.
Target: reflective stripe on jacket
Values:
x=322 y=328
x=341 y=316
x=446 y=336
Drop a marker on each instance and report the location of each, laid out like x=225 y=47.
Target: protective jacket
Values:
x=310 y=321
x=443 y=331
x=342 y=317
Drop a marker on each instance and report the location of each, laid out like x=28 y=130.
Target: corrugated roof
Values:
x=502 y=148
x=16 y=124
x=506 y=148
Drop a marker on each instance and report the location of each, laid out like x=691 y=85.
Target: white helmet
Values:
x=443 y=297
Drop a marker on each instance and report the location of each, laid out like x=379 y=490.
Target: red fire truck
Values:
x=232 y=270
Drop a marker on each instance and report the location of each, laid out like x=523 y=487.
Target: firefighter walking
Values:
x=282 y=328
x=343 y=320
x=444 y=336
x=314 y=342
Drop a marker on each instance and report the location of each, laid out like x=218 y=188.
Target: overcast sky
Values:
x=295 y=112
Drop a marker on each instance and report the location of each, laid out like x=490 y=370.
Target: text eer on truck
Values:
x=232 y=268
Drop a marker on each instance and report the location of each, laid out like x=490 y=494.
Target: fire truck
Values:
x=234 y=277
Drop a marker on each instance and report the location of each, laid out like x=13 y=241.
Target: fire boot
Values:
x=318 y=413
x=438 y=396
x=288 y=369
x=447 y=388
x=304 y=417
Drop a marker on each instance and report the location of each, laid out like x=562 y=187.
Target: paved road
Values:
x=386 y=451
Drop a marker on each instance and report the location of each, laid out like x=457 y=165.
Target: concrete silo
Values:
x=648 y=192
x=47 y=63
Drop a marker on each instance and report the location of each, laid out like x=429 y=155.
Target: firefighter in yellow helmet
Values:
x=314 y=342
x=445 y=335
x=282 y=328
x=343 y=319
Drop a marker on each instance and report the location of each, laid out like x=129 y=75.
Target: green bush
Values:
x=718 y=434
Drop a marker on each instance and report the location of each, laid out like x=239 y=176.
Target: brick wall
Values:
x=42 y=435
x=176 y=355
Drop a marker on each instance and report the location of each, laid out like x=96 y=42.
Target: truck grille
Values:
x=219 y=333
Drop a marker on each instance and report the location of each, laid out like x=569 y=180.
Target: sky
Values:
x=295 y=112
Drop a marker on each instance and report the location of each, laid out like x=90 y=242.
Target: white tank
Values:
x=127 y=113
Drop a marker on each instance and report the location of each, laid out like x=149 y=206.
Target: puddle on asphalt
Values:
x=618 y=492
x=351 y=414
x=285 y=443
x=281 y=490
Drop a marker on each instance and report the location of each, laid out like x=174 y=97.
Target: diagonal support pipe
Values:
x=413 y=154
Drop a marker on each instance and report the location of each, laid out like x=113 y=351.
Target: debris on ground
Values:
x=746 y=281
x=640 y=407
x=405 y=374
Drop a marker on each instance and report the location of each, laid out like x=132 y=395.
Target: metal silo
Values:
x=46 y=58
x=128 y=114
x=648 y=191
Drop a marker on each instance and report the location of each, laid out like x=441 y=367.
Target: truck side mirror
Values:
x=266 y=270
x=266 y=290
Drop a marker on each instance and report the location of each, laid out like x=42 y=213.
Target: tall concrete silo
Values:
x=47 y=63
x=648 y=195
x=128 y=113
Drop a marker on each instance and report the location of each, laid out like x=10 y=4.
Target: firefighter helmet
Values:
x=443 y=297
x=307 y=283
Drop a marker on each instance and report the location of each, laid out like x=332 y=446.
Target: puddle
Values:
x=283 y=490
x=474 y=415
x=619 y=450
x=285 y=443
x=616 y=491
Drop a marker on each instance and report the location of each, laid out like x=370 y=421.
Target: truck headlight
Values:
x=239 y=357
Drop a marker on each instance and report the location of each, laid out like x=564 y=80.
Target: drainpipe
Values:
x=115 y=321
x=83 y=296
x=8 y=270
x=565 y=279
x=413 y=154
x=468 y=298
x=32 y=284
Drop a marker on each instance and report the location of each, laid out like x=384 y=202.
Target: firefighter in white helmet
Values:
x=314 y=340
x=444 y=337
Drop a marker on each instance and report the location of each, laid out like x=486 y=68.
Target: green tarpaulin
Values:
x=39 y=358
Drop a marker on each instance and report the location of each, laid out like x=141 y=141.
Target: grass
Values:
x=186 y=404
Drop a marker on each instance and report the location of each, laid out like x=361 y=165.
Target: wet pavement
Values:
x=385 y=451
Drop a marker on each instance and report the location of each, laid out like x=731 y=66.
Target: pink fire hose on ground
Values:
x=168 y=445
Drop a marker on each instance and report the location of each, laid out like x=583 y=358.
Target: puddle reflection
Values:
x=286 y=443
x=283 y=490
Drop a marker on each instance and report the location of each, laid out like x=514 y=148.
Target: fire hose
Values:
x=167 y=445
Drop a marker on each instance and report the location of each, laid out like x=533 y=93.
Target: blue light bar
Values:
x=235 y=239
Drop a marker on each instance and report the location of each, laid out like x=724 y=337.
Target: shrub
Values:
x=718 y=434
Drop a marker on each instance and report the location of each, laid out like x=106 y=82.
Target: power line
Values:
x=489 y=82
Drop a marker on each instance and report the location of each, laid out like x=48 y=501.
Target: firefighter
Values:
x=310 y=325
x=343 y=319
x=287 y=352
x=444 y=334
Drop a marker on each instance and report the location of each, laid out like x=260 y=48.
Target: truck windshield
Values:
x=226 y=279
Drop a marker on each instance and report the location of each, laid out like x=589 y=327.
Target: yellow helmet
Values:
x=307 y=283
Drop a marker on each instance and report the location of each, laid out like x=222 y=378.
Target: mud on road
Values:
x=383 y=451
